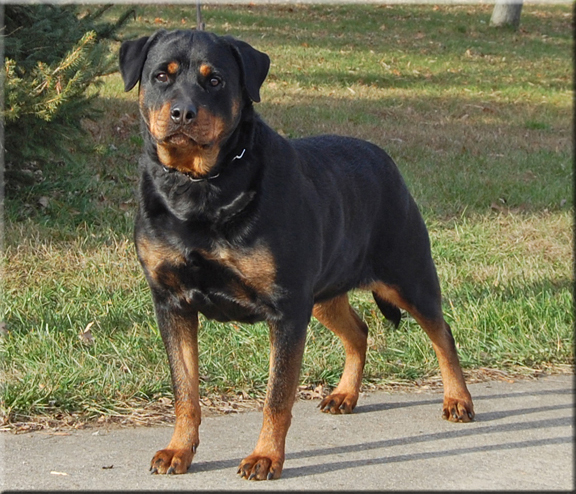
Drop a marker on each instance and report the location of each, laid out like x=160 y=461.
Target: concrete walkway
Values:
x=522 y=439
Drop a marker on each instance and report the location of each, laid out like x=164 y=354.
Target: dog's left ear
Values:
x=254 y=65
x=132 y=57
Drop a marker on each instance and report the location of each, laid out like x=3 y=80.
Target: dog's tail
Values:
x=390 y=311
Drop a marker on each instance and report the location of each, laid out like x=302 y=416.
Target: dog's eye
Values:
x=214 y=81
x=162 y=77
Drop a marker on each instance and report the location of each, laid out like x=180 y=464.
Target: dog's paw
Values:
x=456 y=410
x=260 y=467
x=337 y=403
x=171 y=461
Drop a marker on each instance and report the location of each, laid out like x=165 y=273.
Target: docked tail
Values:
x=390 y=311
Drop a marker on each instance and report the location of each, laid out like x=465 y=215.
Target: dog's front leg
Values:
x=179 y=329
x=287 y=346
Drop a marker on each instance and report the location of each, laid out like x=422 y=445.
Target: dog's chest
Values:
x=224 y=283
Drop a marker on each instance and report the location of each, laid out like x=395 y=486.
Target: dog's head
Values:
x=193 y=87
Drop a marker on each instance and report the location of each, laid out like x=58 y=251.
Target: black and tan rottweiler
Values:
x=240 y=224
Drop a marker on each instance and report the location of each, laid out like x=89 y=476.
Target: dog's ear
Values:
x=132 y=57
x=254 y=65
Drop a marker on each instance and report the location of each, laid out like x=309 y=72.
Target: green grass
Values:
x=479 y=122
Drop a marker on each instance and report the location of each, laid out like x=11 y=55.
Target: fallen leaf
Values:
x=165 y=401
x=127 y=205
x=86 y=336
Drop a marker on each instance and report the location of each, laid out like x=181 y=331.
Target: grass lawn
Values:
x=480 y=123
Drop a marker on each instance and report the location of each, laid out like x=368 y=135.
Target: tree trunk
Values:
x=506 y=13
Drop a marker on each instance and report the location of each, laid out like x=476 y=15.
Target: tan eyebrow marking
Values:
x=173 y=68
x=205 y=70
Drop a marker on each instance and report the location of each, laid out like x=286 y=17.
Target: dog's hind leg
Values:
x=338 y=316
x=424 y=304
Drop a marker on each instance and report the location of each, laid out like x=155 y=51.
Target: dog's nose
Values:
x=182 y=113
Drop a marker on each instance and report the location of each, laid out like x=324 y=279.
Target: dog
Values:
x=241 y=224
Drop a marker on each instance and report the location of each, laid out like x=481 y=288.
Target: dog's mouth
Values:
x=179 y=139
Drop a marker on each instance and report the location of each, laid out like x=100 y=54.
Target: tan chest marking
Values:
x=255 y=267
x=153 y=255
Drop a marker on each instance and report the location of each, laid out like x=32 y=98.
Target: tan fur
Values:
x=205 y=70
x=196 y=149
x=173 y=68
x=154 y=254
x=390 y=293
x=185 y=439
x=159 y=121
x=338 y=316
x=456 y=395
x=256 y=267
